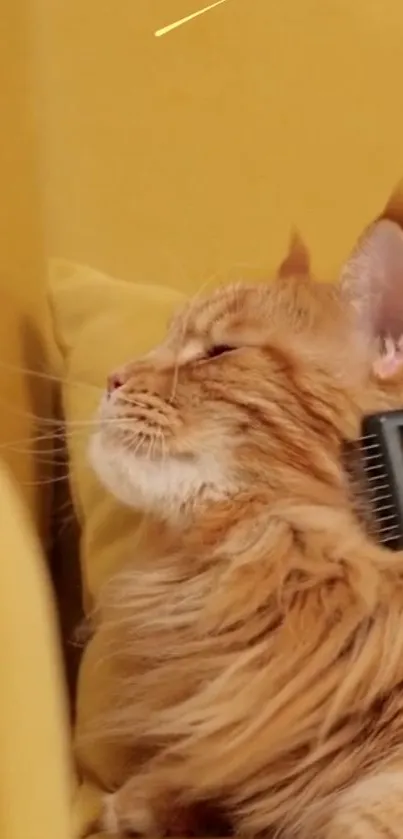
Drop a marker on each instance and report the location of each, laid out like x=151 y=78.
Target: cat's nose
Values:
x=114 y=381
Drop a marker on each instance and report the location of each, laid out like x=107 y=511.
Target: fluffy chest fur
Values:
x=263 y=687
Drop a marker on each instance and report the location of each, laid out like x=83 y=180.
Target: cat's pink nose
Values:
x=114 y=381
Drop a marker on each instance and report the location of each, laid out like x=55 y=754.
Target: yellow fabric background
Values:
x=35 y=794
x=170 y=159
x=24 y=325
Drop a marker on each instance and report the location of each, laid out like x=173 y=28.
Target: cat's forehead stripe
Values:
x=198 y=318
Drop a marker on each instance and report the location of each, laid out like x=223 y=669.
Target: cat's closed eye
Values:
x=219 y=349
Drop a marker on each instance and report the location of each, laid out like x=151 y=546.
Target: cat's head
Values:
x=255 y=386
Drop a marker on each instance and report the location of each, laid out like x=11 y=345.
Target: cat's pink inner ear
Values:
x=297 y=261
x=372 y=281
x=389 y=362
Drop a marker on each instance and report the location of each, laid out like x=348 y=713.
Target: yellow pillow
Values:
x=34 y=754
x=99 y=323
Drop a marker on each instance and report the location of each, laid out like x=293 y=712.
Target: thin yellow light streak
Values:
x=172 y=26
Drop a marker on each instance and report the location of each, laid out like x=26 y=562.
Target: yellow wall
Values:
x=192 y=153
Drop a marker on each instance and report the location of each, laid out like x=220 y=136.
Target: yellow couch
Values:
x=175 y=160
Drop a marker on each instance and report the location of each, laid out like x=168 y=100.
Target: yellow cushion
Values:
x=99 y=323
x=34 y=752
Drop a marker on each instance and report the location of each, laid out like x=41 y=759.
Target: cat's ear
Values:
x=297 y=261
x=372 y=284
x=394 y=206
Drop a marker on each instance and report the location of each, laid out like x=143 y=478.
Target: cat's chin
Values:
x=165 y=487
x=116 y=470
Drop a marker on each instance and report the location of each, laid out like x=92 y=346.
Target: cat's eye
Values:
x=218 y=349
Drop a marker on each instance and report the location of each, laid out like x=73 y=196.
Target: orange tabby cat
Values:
x=259 y=661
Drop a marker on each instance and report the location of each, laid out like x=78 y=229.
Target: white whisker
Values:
x=15 y=368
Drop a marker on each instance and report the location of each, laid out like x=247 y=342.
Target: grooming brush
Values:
x=375 y=462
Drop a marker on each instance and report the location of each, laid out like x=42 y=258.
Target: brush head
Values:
x=375 y=464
